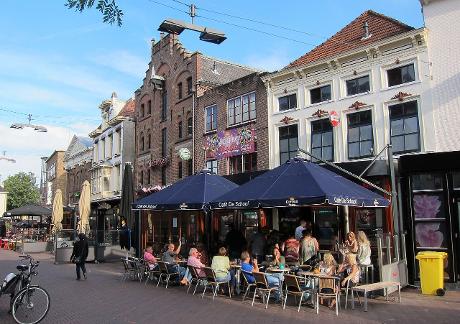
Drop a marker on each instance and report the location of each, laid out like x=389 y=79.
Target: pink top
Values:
x=151 y=260
x=195 y=262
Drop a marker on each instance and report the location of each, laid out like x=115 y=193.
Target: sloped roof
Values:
x=351 y=37
x=216 y=72
x=128 y=109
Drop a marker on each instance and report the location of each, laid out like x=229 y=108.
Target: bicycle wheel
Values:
x=31 y=305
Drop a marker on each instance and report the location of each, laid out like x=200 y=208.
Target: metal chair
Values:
x=293 y=288
x=151 y=273
x=262 y=287
x=165 y=271
x=199 y=281
x=211 y=281
x=130 y=269
x=247 y=284
x=331 y=283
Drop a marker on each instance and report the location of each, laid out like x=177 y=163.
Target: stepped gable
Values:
x=351 y=37
x=217 y=72
x=128 y=109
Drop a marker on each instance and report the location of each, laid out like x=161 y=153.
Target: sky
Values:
x=59 y=65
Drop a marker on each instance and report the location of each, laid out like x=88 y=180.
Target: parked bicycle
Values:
x=29 y=303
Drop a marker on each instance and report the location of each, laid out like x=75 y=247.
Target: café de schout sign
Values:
x=230 y=143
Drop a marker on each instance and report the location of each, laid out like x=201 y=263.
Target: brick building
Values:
x=77 y=163
x=56 y=177
x=165 y=105
x=224 y=115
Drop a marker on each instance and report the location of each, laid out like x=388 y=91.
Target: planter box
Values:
x=35 y=247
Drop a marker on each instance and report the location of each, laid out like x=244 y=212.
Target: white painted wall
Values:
x=378 y=99
x=442 y=20
x=3 y=197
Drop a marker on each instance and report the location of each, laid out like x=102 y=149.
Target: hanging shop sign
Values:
x=230 y=143
x=184 y=154
x=334 y=118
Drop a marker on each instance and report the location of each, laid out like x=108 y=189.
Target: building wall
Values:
x=170 y=61
x=442 y=22
x=75 y=178
x=219 y=96
x=3 y=198
x=375 y=61
x=56 y=177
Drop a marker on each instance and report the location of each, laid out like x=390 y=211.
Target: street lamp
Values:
x=38 y=128
x=176 y=27
x=7 y=159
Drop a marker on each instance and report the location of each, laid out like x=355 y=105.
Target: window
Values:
x=149 y=140
x=243 y=163
x=163 y=176
x=190 y=126
x=179 y=90
x=211 y=118
x=164 y=106
x=142 y=110
x=287 y=102
x=320 y=94
x=149 y=107
x=142 y=142
x=141 y=178
x=360 y=137
x=189 y=167
x=163 y=142
x=322 y=143
x=400 y=75
x=179 y=170
x=241 y=109
x=358 y=85
x=148 y=176
x=211 y=165
x=179 y=125
x=189 y=85
x=288 y=142
x=404 y=128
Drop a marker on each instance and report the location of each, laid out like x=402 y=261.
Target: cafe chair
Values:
x=151 y=274
x=246 y=284
x=166 y=272
x=263 y=288
x=332 y=283
x=199 y=281
x=211 y=281
x=293 y=288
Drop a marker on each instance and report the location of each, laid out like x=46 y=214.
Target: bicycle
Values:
x=29 y=303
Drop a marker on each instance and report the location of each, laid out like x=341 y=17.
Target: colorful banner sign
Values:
x=232 y=142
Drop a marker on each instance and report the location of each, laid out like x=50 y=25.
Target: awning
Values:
x=299 y=183
x=28 y=210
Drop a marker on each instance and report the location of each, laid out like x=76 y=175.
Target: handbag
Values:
x=76 y=259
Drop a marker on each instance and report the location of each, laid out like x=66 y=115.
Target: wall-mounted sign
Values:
x=334 y=118
x=236 y=141
x=184 y=154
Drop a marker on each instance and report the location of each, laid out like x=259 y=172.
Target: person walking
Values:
x=79 y=254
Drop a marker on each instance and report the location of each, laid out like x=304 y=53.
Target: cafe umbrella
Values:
x=58 y=211
x=84 y=206
x=299 y=183
x=127 y=198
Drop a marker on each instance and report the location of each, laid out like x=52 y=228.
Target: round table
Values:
x=272 y=269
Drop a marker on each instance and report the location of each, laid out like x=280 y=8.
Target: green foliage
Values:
x=111 y=13
x=21 y=190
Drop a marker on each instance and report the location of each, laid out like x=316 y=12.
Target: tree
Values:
x=111 y=13
x=21 y=190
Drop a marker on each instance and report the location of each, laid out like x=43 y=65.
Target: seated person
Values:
x=291 y=250
x=350 y=267
x=202 y=254
x=193 y=261
x=277 y=257
x=364 y=249
x=351 y=243
x=221 y=266
x=149 y=258
x=329 y=267
x=170 y=256
x=273 y=279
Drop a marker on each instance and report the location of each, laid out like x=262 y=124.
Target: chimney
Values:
x=366 y=31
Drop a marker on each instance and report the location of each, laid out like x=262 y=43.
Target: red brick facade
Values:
x=75 y=178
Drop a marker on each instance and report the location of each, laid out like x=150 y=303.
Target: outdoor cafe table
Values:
x=278 y=270
x=237 y=268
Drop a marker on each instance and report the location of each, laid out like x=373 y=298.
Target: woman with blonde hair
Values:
x=351 y=243
x=364 y=249
x=351 y=268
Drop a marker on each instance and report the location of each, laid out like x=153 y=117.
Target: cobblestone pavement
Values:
x=103 y=298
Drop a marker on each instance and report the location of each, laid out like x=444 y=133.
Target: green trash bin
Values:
x=431 y=266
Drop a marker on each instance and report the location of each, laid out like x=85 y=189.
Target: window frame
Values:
x=164 y=106
x=190 y=126
x=403 y=117
x=355 y=78
x=232 y=108
x=179 y=126
x=400 y=67
x=179 y=170
x=189 y=85
x=289 y=151
x=359 y=125
x=213 y=120
x=164 y=141
x=212 y=166
x=149 y=107
x=289 y=101
x=321 y=132
x=179 y=91
x=320 y=87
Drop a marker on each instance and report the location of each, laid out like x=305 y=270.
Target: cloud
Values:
x=122 y=61
x=271 y=61
x=27 y=146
